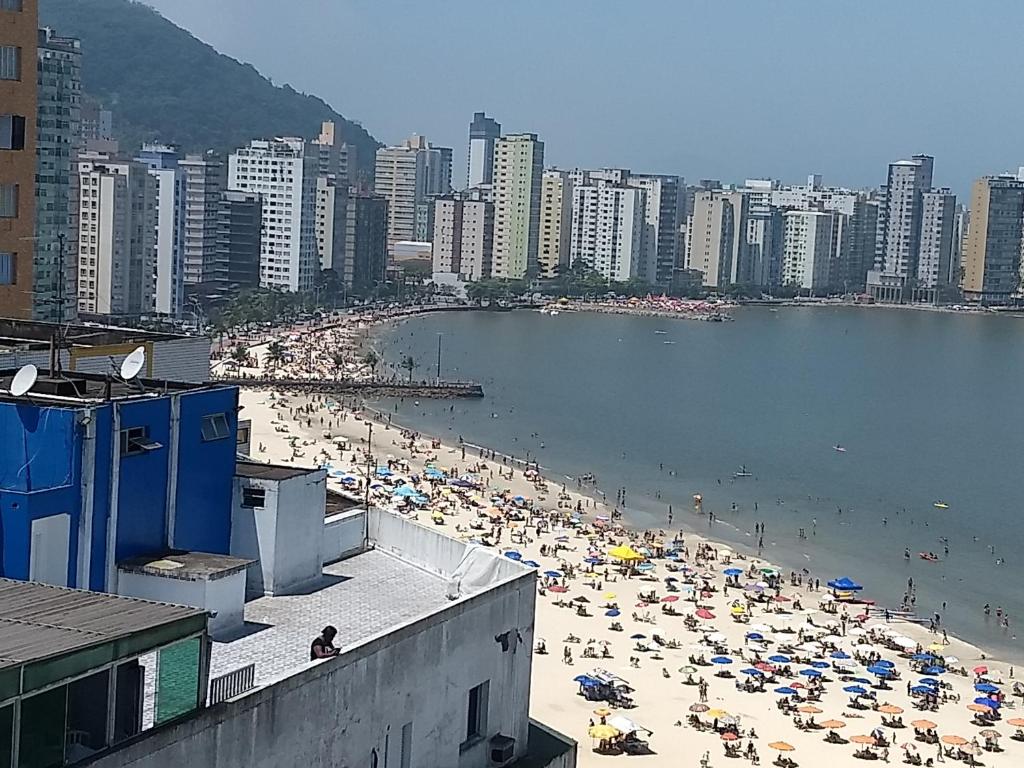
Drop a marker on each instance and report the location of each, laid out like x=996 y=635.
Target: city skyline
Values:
x=884 y=98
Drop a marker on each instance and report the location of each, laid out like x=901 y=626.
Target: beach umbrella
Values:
x=603 y=732
x=779 y=659
x=737 y=610
x=764 y=629
x=1016 y=722
x=982 y=709
x=839 y=655
x=670 y=598
x=719 y=713
x=602 y=711
x=924 y=724
x=987 y=702
x=732 y=571
x=781 y=746
x=688 y=669
x=810 y=709
x=934 y=670
x=929 y=681
x=638 y=636
x=612 y=613
x=580 y=599
x=890 y=709
x=670 y=579
x=981 y=670
x=698 y=708
x=608 y=595
x=764 y=666
x=592 y=560
x=721 y=660
x=786 y=690
x=754 y=636
x=885 y=663
x=956 y=741
x=558 y=588
x=553 y=574
x=832 y=724
x=820 y=664
x=991 y=733
x=871 y=740
x=921 y=689
x=810 y=673
x=715 y=637
x=513 y=555
x=704 y=613
x=855 y=689
x=880 y=671
x=645 y=567
x=624 y=552
x=729 y=736
x=860 y=680
x=845 y=584
x=986 y=688
x=782 y=599
x=752 y=672
x=922 y=657
x=531 y=563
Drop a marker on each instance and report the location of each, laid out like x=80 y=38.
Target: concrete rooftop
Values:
x=363 y=596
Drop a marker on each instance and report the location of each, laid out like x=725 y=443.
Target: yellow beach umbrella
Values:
x=609 y=595
x=602 y=711
x=624 y=552
x=603 y=732
x=936 y=647
x=738 y=610
x=717 y=713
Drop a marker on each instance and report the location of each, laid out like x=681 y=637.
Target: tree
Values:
x=240 y=355
x=371 y=359
x=338 y=361
x=275 y=353
x=409 y=363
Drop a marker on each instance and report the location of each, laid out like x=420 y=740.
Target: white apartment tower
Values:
x=518 y=172
x=608 y=229
x=716 y=238
x=935 y=260
x=483 y=132
x=116 y=236
x=284 y=175
x=663 y=213
x=555 y=222
x=899 y=218
x=463 y=236
x=809 y=244
x=203 y=181
x=407 y=175
x=331 y=205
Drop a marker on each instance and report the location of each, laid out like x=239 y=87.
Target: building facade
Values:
x=663 y=215
x=716 y=238
x=169 y=215
x=463 y=236
x=18 y=116
x=556 y=206
x=935 y=265
x=810 y=242
x=608 y=229
x=407 y=175
x=284 y=175
x=203 y=180
x=59 y=109
x=518 y=174
x=239 y=224
x=483 y=132
x=331 y=204
x=115 y=239
x=992 y=248
x=366 y=242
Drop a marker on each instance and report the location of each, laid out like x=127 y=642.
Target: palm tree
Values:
x=372 y=360
x=240 y=355
x=409 y=363
x=275 y=353
x=338 y=360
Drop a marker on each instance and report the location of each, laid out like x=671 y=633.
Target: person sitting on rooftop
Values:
x=323 y=646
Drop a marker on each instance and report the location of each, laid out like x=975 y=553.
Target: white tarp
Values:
x=476 y=571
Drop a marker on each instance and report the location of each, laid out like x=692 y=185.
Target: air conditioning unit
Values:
x=502 y=749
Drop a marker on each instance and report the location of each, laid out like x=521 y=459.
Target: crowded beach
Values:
x=659 y=646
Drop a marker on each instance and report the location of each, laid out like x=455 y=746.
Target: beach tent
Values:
x=845 y=584
x=625 y=552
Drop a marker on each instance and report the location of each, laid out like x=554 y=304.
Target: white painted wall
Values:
x=225 y=595
x=343 y=535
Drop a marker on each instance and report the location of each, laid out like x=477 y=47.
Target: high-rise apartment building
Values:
x=59 y=87
x=555 y=223
x=284 y=174
x=663 y=215
x=716 y=238
x=809 y=243
x=239 y=221
x=992 y=249
x=116 y=236
x=18 y=114
x=169 y=213
x=331 y=205
x=332 y=153
x=608 y=227
x=407 y=175
x=463 y=235
x=366 y=242
x=204 y=179
x=936 y=246
x=518 y=174
x=483 y=132
x=97 y=122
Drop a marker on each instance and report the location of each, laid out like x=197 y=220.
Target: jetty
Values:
x=438 y=390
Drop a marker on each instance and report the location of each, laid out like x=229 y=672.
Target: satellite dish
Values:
x=24 y=380
x=132 y=364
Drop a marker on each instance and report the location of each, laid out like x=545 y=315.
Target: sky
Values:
x=724 y=89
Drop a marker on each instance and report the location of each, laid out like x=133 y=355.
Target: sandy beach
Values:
x=681 y=657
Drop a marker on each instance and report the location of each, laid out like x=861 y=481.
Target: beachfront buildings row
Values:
x=159 y=593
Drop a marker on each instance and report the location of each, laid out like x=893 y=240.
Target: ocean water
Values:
x=929 y=407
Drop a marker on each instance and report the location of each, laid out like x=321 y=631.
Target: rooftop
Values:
x=33 y=334
x=260 y=471
x=364 y=596
x=38 y=621
x=76 y=387
x=188 y=566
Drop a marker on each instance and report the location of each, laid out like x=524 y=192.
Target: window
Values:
x=10 y=5
x=10 y=62
x=8 y=268
x=12 y=132
x=476 y=713
x=254 y=498
x=8 y=201
x=215 y=427
x=135 y=440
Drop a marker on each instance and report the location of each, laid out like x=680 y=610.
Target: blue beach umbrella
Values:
x=861 y=680
x=721 y=660
x=513 y=555
x=384 y=472
x=922 y=690
x=531 y=563
x=592 y=560
x=880 y=671
x=922 y=657
x=986 y=688
x=553 y=574
x=755 y=636
x=985 y=701
x=934 y=670
x=855 y=689
x=786 y=690
x=732 y=571
x=810 y=673
x=645 y=567
x=612 y=613
x=845 y=584
x=885 y=663
x=839 y=655
x=779 y=659
x=820 y=664
x=929 y=681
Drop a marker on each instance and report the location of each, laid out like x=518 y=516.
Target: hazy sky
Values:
x=724 y=89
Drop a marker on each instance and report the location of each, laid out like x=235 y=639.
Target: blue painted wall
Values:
x=205 y=473
x=40 y=469
x=105 y=439
x=142 y=484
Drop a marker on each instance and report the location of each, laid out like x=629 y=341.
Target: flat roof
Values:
x=35 y=334
x=260 y=471
x=363 y=596
x=72 y=386
x=39 y=621
x=188 y=566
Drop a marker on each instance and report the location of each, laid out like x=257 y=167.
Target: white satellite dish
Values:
x=132 y=364
x=24 y=380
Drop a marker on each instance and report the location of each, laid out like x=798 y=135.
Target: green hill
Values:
x=163 y=84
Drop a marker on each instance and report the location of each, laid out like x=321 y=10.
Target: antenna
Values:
x=24 y=380
x=132 y=364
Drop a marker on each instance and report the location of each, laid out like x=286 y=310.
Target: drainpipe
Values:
x=171 y=509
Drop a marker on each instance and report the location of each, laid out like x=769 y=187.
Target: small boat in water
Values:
x=743 y=472
x=661 y=333
x=668 y=342
x=838 y=448
x=940 y=505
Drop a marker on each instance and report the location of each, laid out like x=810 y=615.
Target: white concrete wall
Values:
x=342 y=711
x=225 y=596
x=343 y=535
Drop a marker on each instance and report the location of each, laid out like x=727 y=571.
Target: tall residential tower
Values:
x=518 y=172
x=483 y=132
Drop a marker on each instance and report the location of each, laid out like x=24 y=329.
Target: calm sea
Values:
x=929 y=407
